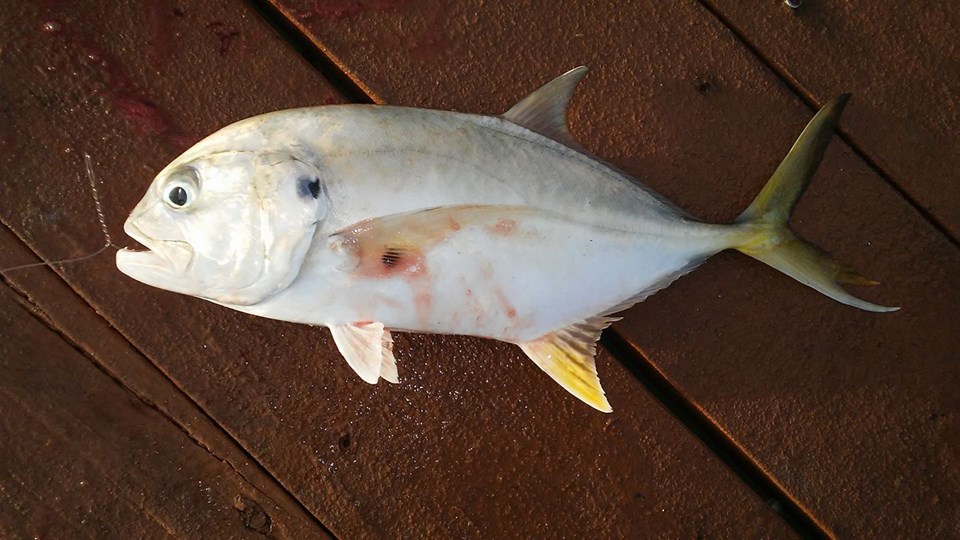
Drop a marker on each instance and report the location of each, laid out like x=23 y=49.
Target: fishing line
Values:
x=108 y=243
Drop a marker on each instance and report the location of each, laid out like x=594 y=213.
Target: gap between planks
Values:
x=810 y=100
x=694 y=419
x=288 y=501
x=318 y=56
x=713 y=436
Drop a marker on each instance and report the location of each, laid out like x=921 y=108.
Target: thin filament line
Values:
x=88 y=165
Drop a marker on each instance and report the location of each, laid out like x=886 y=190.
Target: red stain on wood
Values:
x=224 y=34
x=144 y=117
x=111 y=80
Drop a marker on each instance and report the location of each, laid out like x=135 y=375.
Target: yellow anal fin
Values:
x=567 y=356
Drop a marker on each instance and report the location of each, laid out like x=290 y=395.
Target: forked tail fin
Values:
x=769 y=238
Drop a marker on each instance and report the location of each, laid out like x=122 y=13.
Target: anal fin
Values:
x=567 y=356
x=368 y=349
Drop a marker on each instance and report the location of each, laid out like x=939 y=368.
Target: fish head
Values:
x=230 y=226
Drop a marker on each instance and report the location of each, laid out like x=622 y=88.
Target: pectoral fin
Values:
x=368 y=349
x=567 y=356
x=388 y=365
x=394 y=244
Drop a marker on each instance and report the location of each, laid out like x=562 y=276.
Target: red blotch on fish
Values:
x=505 y=304
x=504 y=227
x=391 y=262
x=475 y=305
x=422 y=302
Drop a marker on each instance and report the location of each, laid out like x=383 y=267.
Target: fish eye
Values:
x=181 y=188
x=177 y=195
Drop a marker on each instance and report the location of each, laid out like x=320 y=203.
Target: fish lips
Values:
x=160 y=265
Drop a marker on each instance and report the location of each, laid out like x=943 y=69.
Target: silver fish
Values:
x=371 y=219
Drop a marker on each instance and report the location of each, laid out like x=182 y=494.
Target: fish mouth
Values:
x=160 y=257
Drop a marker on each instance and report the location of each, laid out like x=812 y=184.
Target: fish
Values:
x=370 y=219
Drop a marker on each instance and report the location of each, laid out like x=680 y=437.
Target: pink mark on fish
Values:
x=505 y=305
x=504 y=227
x=390 y=262
x=422 y=299
x=475 y=306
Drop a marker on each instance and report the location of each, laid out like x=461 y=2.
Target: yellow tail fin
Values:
x=770 y=239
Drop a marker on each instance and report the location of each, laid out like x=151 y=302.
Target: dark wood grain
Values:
x=850 y=412
x=475 y=441
x=53 y=302
x=901 y=61
x=83 y=457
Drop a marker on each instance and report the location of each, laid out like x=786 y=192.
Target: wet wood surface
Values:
x=679 y=101
x=841 y=412
x=901 y=61
x=83 y=456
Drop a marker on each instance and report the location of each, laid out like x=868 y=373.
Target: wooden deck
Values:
x=746 y=405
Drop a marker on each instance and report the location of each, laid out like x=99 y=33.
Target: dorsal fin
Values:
x=545 y=111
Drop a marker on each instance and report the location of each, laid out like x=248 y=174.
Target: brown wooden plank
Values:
x=476 y=441
x=54 y=302
x=83 y=457
x=902 y=63
x=850 y=412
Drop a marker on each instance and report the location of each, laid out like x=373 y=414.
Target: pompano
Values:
x=367 y=219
